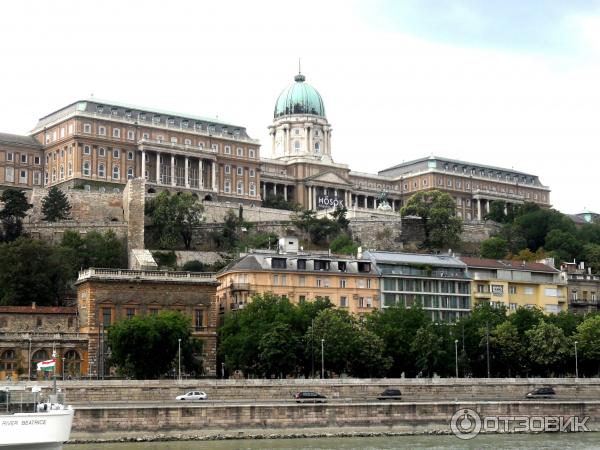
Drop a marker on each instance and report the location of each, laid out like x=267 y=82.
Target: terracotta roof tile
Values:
x=507 y=264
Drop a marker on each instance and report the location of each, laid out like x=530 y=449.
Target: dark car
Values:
x=309 y=397
x=543 y=392
x=390 y=394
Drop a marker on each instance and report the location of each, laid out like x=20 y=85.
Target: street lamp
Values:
x=29 y=360
x=456 y=355
x=322 y=358
x=576 y=365
x=179 y=359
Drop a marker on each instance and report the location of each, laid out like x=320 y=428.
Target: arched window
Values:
x=130 y=173
x=8 y=361
x=62 y=172
x=116 y=174
x=72 y=363
x=101 y=170
x=86 y=168
x=296 y=146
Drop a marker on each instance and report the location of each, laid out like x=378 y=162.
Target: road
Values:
x=331 y=401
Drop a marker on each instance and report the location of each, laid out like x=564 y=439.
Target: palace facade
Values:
x=98 y=145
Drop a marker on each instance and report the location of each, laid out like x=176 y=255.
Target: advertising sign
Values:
x=498 y=290
x=328 y=202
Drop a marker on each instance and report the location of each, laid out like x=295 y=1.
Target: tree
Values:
x=437 y=211
x=397 y=326
x=339 y=215
x=55 y=205
x=11 y=216
x=175 y=216
x=428 y=350
x=591 y=255
x=535 y=225
x=505 y=339
x=564 y=245
x=494 y=248
x=146 y=347
x=547 y=347
x=344 y=245
x=588 y=340
x=497 y=211
x=95 y=249
x=194 y=266
x=278 y=350
x=33 y=271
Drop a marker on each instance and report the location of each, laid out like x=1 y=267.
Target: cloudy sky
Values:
x=508 y=83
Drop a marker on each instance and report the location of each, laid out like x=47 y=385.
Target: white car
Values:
x=192 y=395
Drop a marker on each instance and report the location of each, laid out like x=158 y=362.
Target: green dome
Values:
x=299 y=98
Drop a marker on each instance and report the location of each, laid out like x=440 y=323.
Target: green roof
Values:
x=299 y=98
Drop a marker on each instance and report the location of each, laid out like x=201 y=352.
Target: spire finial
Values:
x=299 y=78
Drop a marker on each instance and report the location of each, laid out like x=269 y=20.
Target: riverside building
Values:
x=348 y=282
x=517 y=283
x=439 y=283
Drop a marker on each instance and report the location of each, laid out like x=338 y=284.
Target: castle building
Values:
x=301 y=168
x=99 y=145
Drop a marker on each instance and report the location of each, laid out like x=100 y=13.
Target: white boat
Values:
x=26 y=423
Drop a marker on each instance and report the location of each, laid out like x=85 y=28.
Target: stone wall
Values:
x=200 y=419
x=214 y=212
x=477 y=231
x=133 y=211
x=86 y=207
x=53 y=231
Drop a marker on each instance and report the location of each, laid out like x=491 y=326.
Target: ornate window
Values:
x=72 y=362
x=116 y=173
x=86 y=169
x=8 y=361
x=101 y=170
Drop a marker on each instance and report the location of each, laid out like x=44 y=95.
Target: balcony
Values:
x=239 y=287
x=482 y=295
x=173 y=147
x=93 y=274
x=583 y=302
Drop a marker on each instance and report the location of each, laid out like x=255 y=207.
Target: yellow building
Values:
x=516 y=283
x=300 y=276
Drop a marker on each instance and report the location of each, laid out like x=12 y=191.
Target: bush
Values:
x=194 y=266
x=165 y=259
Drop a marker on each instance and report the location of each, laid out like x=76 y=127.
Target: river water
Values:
x=546 y=441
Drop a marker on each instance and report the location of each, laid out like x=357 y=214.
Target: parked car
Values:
x=192 y=395
x=390 y=394
x=309 y=397
x=543 y=392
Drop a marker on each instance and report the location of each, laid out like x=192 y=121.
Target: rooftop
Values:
x=507 y=265
x=415 y=258
x=19 y=140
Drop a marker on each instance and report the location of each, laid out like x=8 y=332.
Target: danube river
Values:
x=562 y=441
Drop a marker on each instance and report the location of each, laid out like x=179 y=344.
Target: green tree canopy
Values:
x=12 y=214
x=508 y=345
x=55 y=205
x=174 y=216
x=343 y=245
x=588 y=339
x=147 y=346
x=547 y=346
x=437 y=211
x=494 y=248
x=33 y=271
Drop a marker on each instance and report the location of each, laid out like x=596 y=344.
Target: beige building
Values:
x=517 y=283
x=300 y=276
x=105 y=296
x=583 y=287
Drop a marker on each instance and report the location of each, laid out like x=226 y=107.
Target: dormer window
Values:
x=142 y=116
x=185 y=124
x=99 y=108
x=114 y=111
x=128 y=114
x=279 y=263
x=155 y=119
x=171 y=121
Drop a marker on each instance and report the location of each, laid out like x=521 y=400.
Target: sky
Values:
x=512 y=83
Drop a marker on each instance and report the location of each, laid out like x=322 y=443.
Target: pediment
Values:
x=330 y=177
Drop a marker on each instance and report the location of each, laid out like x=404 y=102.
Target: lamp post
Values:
x=29 y=361
x=322 y=358
x=456 y=355
x=487 y=347
x=576 y=365
x=179 y=359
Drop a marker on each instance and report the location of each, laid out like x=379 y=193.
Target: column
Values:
x=187 y=173
x=487 y=206
x=200 y=174
x=285 y=140
x=172 y=170
x=264 y=191
x=478 y=209
x=214 y=176
x=274 y=189
x=315 y=197
x=309 y=190
x=143 y=164
x=366 y=202
x=285 y=192
x=374 y=202
x=158 y=181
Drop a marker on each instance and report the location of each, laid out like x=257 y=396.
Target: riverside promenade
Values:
x=247 y=408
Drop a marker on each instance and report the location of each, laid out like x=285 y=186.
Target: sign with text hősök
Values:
x=328 y=202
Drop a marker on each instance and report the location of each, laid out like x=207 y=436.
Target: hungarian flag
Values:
x=46 y=366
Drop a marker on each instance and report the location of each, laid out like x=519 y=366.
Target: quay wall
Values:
x=205 y=419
